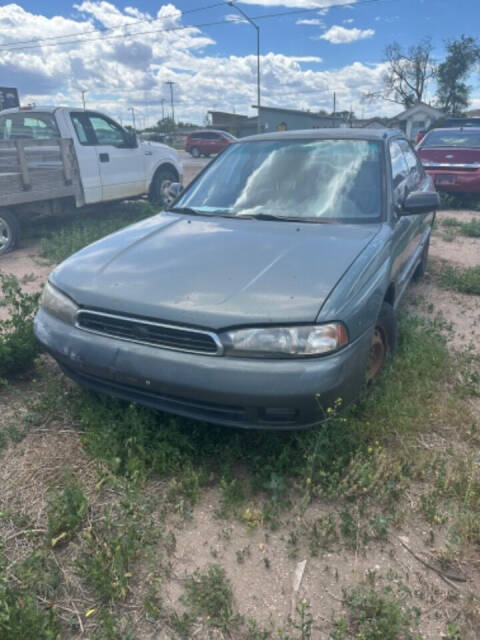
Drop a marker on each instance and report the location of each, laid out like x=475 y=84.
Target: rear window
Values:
x=28 y=126
x=437 y=138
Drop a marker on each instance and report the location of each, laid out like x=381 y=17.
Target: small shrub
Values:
x=18 y=345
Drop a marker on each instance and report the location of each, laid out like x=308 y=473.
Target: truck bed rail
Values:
x=38 y=170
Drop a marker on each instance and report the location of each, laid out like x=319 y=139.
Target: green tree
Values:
x=452 y=91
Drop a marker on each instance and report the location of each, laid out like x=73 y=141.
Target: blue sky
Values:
x=305 y=56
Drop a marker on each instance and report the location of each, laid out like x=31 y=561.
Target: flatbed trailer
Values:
x=35 y=176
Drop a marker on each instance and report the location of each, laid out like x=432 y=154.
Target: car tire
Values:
x=161 y=182
x=422 y=265
x=195 y=152
x=384 y=342
x=9 y=231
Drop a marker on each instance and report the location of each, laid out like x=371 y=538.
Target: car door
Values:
x=416 y=179
x=121 y=165
x=404 y=226
x=87 y=158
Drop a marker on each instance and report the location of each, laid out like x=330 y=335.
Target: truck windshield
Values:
x=313 y=180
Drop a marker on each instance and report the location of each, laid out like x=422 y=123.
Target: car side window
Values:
x=106 y=131
x=414 y=168
x=82 y=128
x=399 y=172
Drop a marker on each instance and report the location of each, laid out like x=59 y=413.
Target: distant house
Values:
x=370 y=123
x=279 y=119
x=415 y=119
x=235 y=123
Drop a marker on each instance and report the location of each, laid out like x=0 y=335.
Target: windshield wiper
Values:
x=271 y=216
x=188 y=211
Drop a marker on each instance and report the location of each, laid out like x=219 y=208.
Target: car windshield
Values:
x=316 y=180
x=467 y=139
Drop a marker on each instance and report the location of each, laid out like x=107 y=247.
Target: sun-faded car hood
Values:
x=214 y=272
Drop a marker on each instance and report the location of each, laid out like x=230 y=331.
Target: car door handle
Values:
x=104 y=157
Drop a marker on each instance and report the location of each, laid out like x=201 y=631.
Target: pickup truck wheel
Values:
x=422 y=266
x=195 y=152
x=160 y=189
x=384 y=341
x=9 y=231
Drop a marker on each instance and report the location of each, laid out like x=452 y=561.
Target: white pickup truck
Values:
x=52 y=158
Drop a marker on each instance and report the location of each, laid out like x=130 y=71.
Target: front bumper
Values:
x=239 y=392
x=455 y=181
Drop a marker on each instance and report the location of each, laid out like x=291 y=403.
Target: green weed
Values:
x=461 y=279
x=459 y=201
x=73 y=233
x=471 y=228
x=208 y=593
x=67 y=508
x=375 y=615
x=112 y=546
x=21 y=617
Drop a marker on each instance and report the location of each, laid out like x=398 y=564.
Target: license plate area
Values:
x=445 y=179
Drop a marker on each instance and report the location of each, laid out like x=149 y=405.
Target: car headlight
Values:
x=303 y=341
x=57 y=304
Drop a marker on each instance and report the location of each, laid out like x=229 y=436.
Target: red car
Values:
x=204 y=143
x=452 y=158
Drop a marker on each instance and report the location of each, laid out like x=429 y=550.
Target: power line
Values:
x=120 y=26
x=185 y=27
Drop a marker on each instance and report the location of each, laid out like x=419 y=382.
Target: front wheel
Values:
x=9 y=231
x=160 y=188
x=384 y=342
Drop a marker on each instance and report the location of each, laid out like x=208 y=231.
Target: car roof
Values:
x=192 y=133
x=330 y=133
x=450 y=129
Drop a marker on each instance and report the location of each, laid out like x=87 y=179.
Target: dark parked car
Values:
x=452 y=158
x=205 y=143
x=265 y=295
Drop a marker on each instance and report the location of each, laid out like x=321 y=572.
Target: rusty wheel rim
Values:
x=378 y=352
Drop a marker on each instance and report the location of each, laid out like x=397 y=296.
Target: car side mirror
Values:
x=131 y=141
x=175 y=189
x=420 y=202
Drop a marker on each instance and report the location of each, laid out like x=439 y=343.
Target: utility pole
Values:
x=254 y=24
x=84 y=91
x=162 y=101
x=132 y=109
x=170 y=84
x=334 y=103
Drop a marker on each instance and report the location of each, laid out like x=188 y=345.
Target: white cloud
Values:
x=310 y=21
x=235 y=17
x=122 y=72
x=341 y=35
x=348 y=21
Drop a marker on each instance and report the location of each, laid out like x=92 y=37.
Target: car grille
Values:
x=151 y=333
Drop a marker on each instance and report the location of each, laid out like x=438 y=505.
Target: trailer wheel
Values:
x=9 y=231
